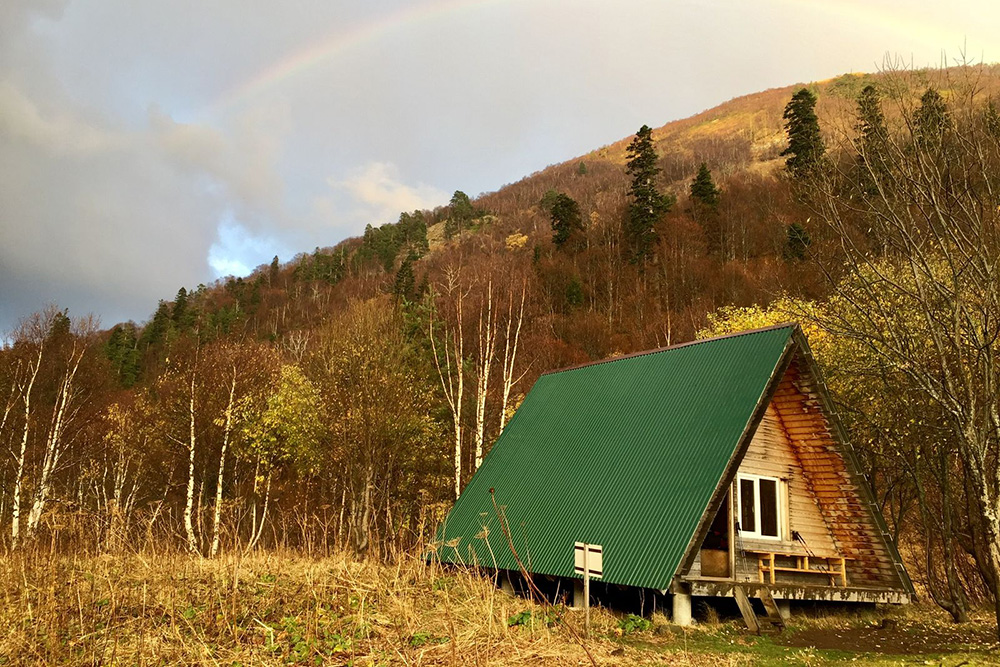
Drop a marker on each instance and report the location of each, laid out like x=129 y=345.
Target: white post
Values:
x=682 y=609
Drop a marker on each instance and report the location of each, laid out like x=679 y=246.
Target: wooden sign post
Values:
x=588 y=560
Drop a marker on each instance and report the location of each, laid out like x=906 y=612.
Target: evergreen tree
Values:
x=275 y=268
x=156 y=331
x=404 y=287
x=872 y=137
x=180 y=311
x=122 y=351
x=703 y=187
x=931 y=120
x=60 y=325
x=565 y=213
x=581 y=169
x=991 y=118
x=797 y=242
x=805 y=149
x=549 y=200
x=648 y=204
x=413 y=227
x=459 y=214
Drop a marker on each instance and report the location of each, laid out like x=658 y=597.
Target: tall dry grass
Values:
x=273 y=608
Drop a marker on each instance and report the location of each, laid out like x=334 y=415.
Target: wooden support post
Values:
x=772 y=568
x=843 y=572
x=746 y=609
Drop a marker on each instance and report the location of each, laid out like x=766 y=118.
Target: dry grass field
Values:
x=286 y=609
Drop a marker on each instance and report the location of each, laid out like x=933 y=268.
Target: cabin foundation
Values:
x=682 y=609
x=578 y=600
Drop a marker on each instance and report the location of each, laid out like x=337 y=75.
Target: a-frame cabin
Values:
x=713 y=468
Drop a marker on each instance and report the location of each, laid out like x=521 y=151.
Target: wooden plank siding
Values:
x=853 y=529
x=771 y=454
x=794 y=443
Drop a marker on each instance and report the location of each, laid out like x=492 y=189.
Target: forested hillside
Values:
x=342 y=399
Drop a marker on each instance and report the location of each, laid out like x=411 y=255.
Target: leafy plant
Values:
x=633 y=623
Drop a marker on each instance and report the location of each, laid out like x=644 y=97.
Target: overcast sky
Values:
x=150 y=145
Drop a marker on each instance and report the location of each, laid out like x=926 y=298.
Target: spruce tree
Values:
x=931 y=120
x=180 y=307
x=648 y=204
x=703 y=188
x=122 y=351
x=872 y=138
x=797 y=242
x=459 y=214
x=805 y=149
x=566 y=219
x=275 y=269
x=404 y=287
x=991 y=118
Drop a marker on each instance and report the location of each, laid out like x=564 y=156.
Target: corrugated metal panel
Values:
x=624 y=453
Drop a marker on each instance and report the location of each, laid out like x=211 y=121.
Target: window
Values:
x=759 y=506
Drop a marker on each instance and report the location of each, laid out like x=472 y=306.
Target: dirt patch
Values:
x=903 y=638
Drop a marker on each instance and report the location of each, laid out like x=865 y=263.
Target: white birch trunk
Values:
x=226 y=431
x=487 y=348
x=54 y=442
x=258 y=529
x=15 y=522
x=192 y=541
x=452 y=378
x=510 y=356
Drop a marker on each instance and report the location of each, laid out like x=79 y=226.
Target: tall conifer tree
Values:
x=565 y=213
x=648 y=204
x=872 y=138
x=805 y=144
x=703 y=188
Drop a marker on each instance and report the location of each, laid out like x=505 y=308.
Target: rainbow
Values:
x=415 y=13
x=336 y=44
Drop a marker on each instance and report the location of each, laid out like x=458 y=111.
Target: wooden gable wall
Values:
x=820 y=482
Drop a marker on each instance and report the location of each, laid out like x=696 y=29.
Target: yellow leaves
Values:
x=516 y=241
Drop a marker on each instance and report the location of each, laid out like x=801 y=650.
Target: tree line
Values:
x=342 y=400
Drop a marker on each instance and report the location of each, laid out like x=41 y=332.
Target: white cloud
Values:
x=379 y=196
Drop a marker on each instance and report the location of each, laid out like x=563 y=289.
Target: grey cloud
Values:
x=129 y=167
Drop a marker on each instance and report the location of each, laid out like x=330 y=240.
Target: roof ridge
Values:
x=642 y=353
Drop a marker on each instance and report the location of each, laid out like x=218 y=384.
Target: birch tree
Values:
x=512 y=339
x=29 y=347
x=64 y=410
x=449 y=356
x=485 y=352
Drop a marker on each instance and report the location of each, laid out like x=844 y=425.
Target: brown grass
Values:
x=283 y=608
x=276 y=608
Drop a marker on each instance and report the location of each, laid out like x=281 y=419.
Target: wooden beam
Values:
x=746 y=609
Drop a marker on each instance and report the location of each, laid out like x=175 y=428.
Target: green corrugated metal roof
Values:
x=624 y=453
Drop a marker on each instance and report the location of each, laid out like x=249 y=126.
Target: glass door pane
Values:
x=769 y=507
x=748 y=519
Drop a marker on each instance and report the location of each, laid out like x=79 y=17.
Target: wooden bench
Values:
x=834 y=567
